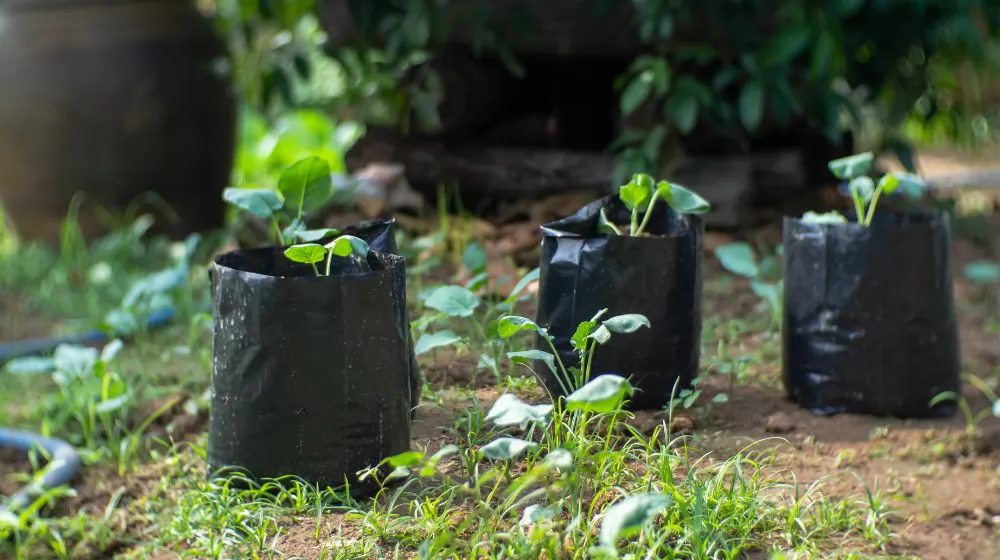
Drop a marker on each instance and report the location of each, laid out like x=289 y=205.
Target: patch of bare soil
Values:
x=17 y=322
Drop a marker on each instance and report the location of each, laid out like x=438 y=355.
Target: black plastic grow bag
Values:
x=869 y=316
x=311 y=375
x=584 y=270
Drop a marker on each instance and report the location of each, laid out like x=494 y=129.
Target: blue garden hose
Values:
x=64 y=461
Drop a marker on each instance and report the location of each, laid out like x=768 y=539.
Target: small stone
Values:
x=779 y=423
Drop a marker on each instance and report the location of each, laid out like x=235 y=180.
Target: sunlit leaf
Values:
x=313 y=235
x=625 y=324
x=406 y=459
x=510 y=325
x=683 y=200
x=738 y=258
x=851 y=167
x=346 y=245
x=262 y=203
x=630 y=516
x=603 y=394
x=637 y=193
x=528 y=356
x=431 y=341
x=454 y=301
x=512 y=411
x=824 y=218
x=507 y=448
x=306 y=185
x=307 y=253
x=558 y=459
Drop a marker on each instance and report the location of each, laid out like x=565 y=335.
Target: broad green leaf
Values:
x=771 y=293
x=291 y=232
x=851 y=167
x=346 y=245
x=738 y=258
x=682 y=200
x=583 y=331
x=558 y=459
x=510 y=325
x=637 y=192
x=603 y=394
x=474 y=258
x=682 y=110
x=512 y=411
x=787 y=44
x=506 y=448
x=824 y=218
x=406 y=459
x=751 y=105
x=907 y=184
x=307 y=253
x=863 y=188
x=454 y=301
x=601 y=334
x=262 y=203
x=75 y=361
x=628 y=323
x=306 y=185
x=527 y=356
x=982 y=272
x=536 y=513
x=347 y=135
x=431 y=341
x=313 y=235
x=637 y=92
x=630 y=516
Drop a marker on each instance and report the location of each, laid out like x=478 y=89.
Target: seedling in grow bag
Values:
x=312 y=253
x=764 y=274
x=588 y=336
x=643 y=192
x=864 y=191
x=304 y=187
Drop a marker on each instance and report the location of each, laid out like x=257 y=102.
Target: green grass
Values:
x=146 y=494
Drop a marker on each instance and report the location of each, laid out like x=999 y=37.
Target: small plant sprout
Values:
x=640 y=196
x=764 y=274
x=864 y=191
x=305 y=187
x=312 y=253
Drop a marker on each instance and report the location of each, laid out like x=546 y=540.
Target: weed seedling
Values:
x=640 y=196
x=312 y=253
x=864 y=191
x=972 y=419
x=764 y=274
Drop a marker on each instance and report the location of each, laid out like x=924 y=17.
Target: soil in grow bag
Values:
x=584 y=270
x=869 y=316
x=311 y=375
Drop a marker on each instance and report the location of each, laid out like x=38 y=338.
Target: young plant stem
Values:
x=645 y=218
x=277 y=231
x=315 y=270
x=562 y=368
x=859 y=207
x=329 y=261
x=634 y=224
x=871 y=206
x=608 y=223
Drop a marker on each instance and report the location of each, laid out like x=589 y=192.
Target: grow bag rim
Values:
x=397 y=259
x=928 y=217
x=695 y=223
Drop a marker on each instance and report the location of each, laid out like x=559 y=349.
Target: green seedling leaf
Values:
x=738 y=258
x=512 y=411
x=523 y=283
x=982 y=272
x=583 y=331
x=474 y=258
x=30 y=365
x=309 y=253
x=771 y=293
x=306 y=185
x=346 y=245
x=431 y=341
x=852 y=167
x=824 y=218
x=558 y=459
x=510 y=325
x=681 y=199
x=637 y=192
x=996 y=408
x=603 y=394
x=75 y=361
x=907 y=184
x=454 y=301
x=630 y=516
x=262 y=203
x=111 y=350
x=507 y=448
x=537 y=514
x=406 y=459
x=293 y=229
x=601 y=334
x=111 y=405
x=527 y=356
x=625 y=324
x=313 y=235
x=487 y=363
x=863 y=188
